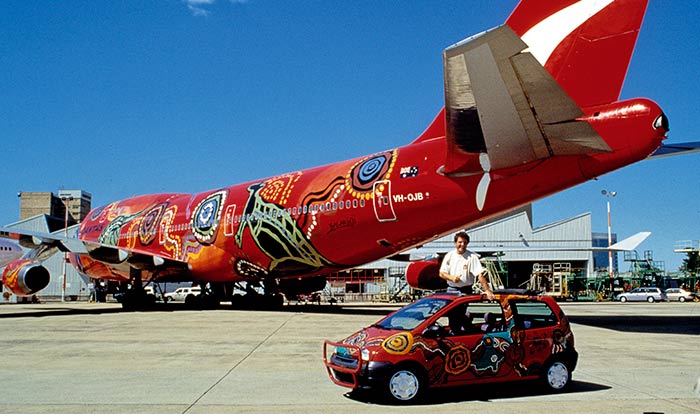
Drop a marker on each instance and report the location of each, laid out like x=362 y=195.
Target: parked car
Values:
x=681 y=295
x=649 y=294
x=181 y=293
x=447 y=340
x=150 y=290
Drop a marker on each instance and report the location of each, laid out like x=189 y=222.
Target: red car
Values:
x=450 y=340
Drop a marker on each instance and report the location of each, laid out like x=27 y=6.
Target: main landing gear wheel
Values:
x=557 y=376
x=405 y=385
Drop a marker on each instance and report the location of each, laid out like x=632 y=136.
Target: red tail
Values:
x=585 y=45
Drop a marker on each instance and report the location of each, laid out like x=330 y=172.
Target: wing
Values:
x=44 y=245
x=668 y=150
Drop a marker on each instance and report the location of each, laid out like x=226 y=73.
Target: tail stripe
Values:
x=545 y=36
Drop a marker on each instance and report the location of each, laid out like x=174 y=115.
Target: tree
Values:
x=691 y=263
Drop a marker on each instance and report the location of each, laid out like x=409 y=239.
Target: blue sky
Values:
x=121 y=98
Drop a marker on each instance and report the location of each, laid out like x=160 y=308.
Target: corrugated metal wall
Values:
x=516 y=231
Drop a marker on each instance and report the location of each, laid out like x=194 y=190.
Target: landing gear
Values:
x=133 y=296
x=206 y=300
x=270 y=298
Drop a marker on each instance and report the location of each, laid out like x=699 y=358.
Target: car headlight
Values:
x=365 y=354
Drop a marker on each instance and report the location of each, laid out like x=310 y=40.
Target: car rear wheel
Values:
x=650 y=299
x=557 y=376
x=623 y=299
x=405 y=385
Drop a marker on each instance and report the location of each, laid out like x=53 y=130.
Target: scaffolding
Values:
x=494 y=270
x=690 y=276
x=551 y=279
x=644 y=271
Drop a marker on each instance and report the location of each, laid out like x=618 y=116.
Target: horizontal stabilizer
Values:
x=501 y=101
x=668 y=150
x=630 y=243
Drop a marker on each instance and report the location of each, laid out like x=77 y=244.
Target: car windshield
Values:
x=413 y=315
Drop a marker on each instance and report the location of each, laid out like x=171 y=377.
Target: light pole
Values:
x=65 y=200
x=609 y=194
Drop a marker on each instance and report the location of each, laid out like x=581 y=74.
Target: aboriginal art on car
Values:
x=476 y=355
x=284 y=234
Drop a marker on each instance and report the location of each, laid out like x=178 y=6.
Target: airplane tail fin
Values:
x=585 y=45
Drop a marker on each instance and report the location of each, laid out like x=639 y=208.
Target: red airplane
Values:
x=531 y=108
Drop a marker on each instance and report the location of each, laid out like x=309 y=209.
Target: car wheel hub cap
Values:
x=403 y=385
x=558 y=376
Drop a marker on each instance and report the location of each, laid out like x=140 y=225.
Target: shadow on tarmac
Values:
x=482 y=392
x=58 y=309
x=684 y=325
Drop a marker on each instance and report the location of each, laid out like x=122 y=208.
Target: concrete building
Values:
x=70 y=205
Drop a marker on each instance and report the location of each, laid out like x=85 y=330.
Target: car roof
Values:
x=500 y=295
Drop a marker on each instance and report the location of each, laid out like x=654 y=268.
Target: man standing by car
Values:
x=461 y=268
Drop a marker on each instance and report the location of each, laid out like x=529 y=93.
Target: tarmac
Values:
x=86 y=358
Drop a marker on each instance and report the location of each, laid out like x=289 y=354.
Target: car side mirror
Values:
x=434 y=331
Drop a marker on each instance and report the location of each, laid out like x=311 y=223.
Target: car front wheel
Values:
x=681 y=299
x=405 y=385
x=557 y=376
x=623 y=299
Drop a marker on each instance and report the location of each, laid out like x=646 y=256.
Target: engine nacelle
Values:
x=425 y=275
x=293 y=287
x=25 y=277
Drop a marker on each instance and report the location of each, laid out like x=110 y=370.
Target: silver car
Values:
x=649 y=294
x=680 y=295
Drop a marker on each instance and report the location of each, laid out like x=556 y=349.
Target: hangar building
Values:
x=386 y=277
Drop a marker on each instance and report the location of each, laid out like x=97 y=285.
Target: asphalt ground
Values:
x=86 y=358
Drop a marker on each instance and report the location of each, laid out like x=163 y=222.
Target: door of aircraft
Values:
x=383 y=207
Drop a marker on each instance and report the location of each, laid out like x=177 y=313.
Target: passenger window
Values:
x=459 y=321
x=531 y=315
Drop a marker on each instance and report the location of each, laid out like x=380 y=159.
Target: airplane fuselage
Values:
x=338 y=216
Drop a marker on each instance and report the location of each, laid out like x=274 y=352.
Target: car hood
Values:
x=375 y=336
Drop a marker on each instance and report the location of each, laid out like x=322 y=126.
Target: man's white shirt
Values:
x=466 y=265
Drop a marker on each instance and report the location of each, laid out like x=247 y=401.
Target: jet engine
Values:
x=425 y=275
x=25 y=277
